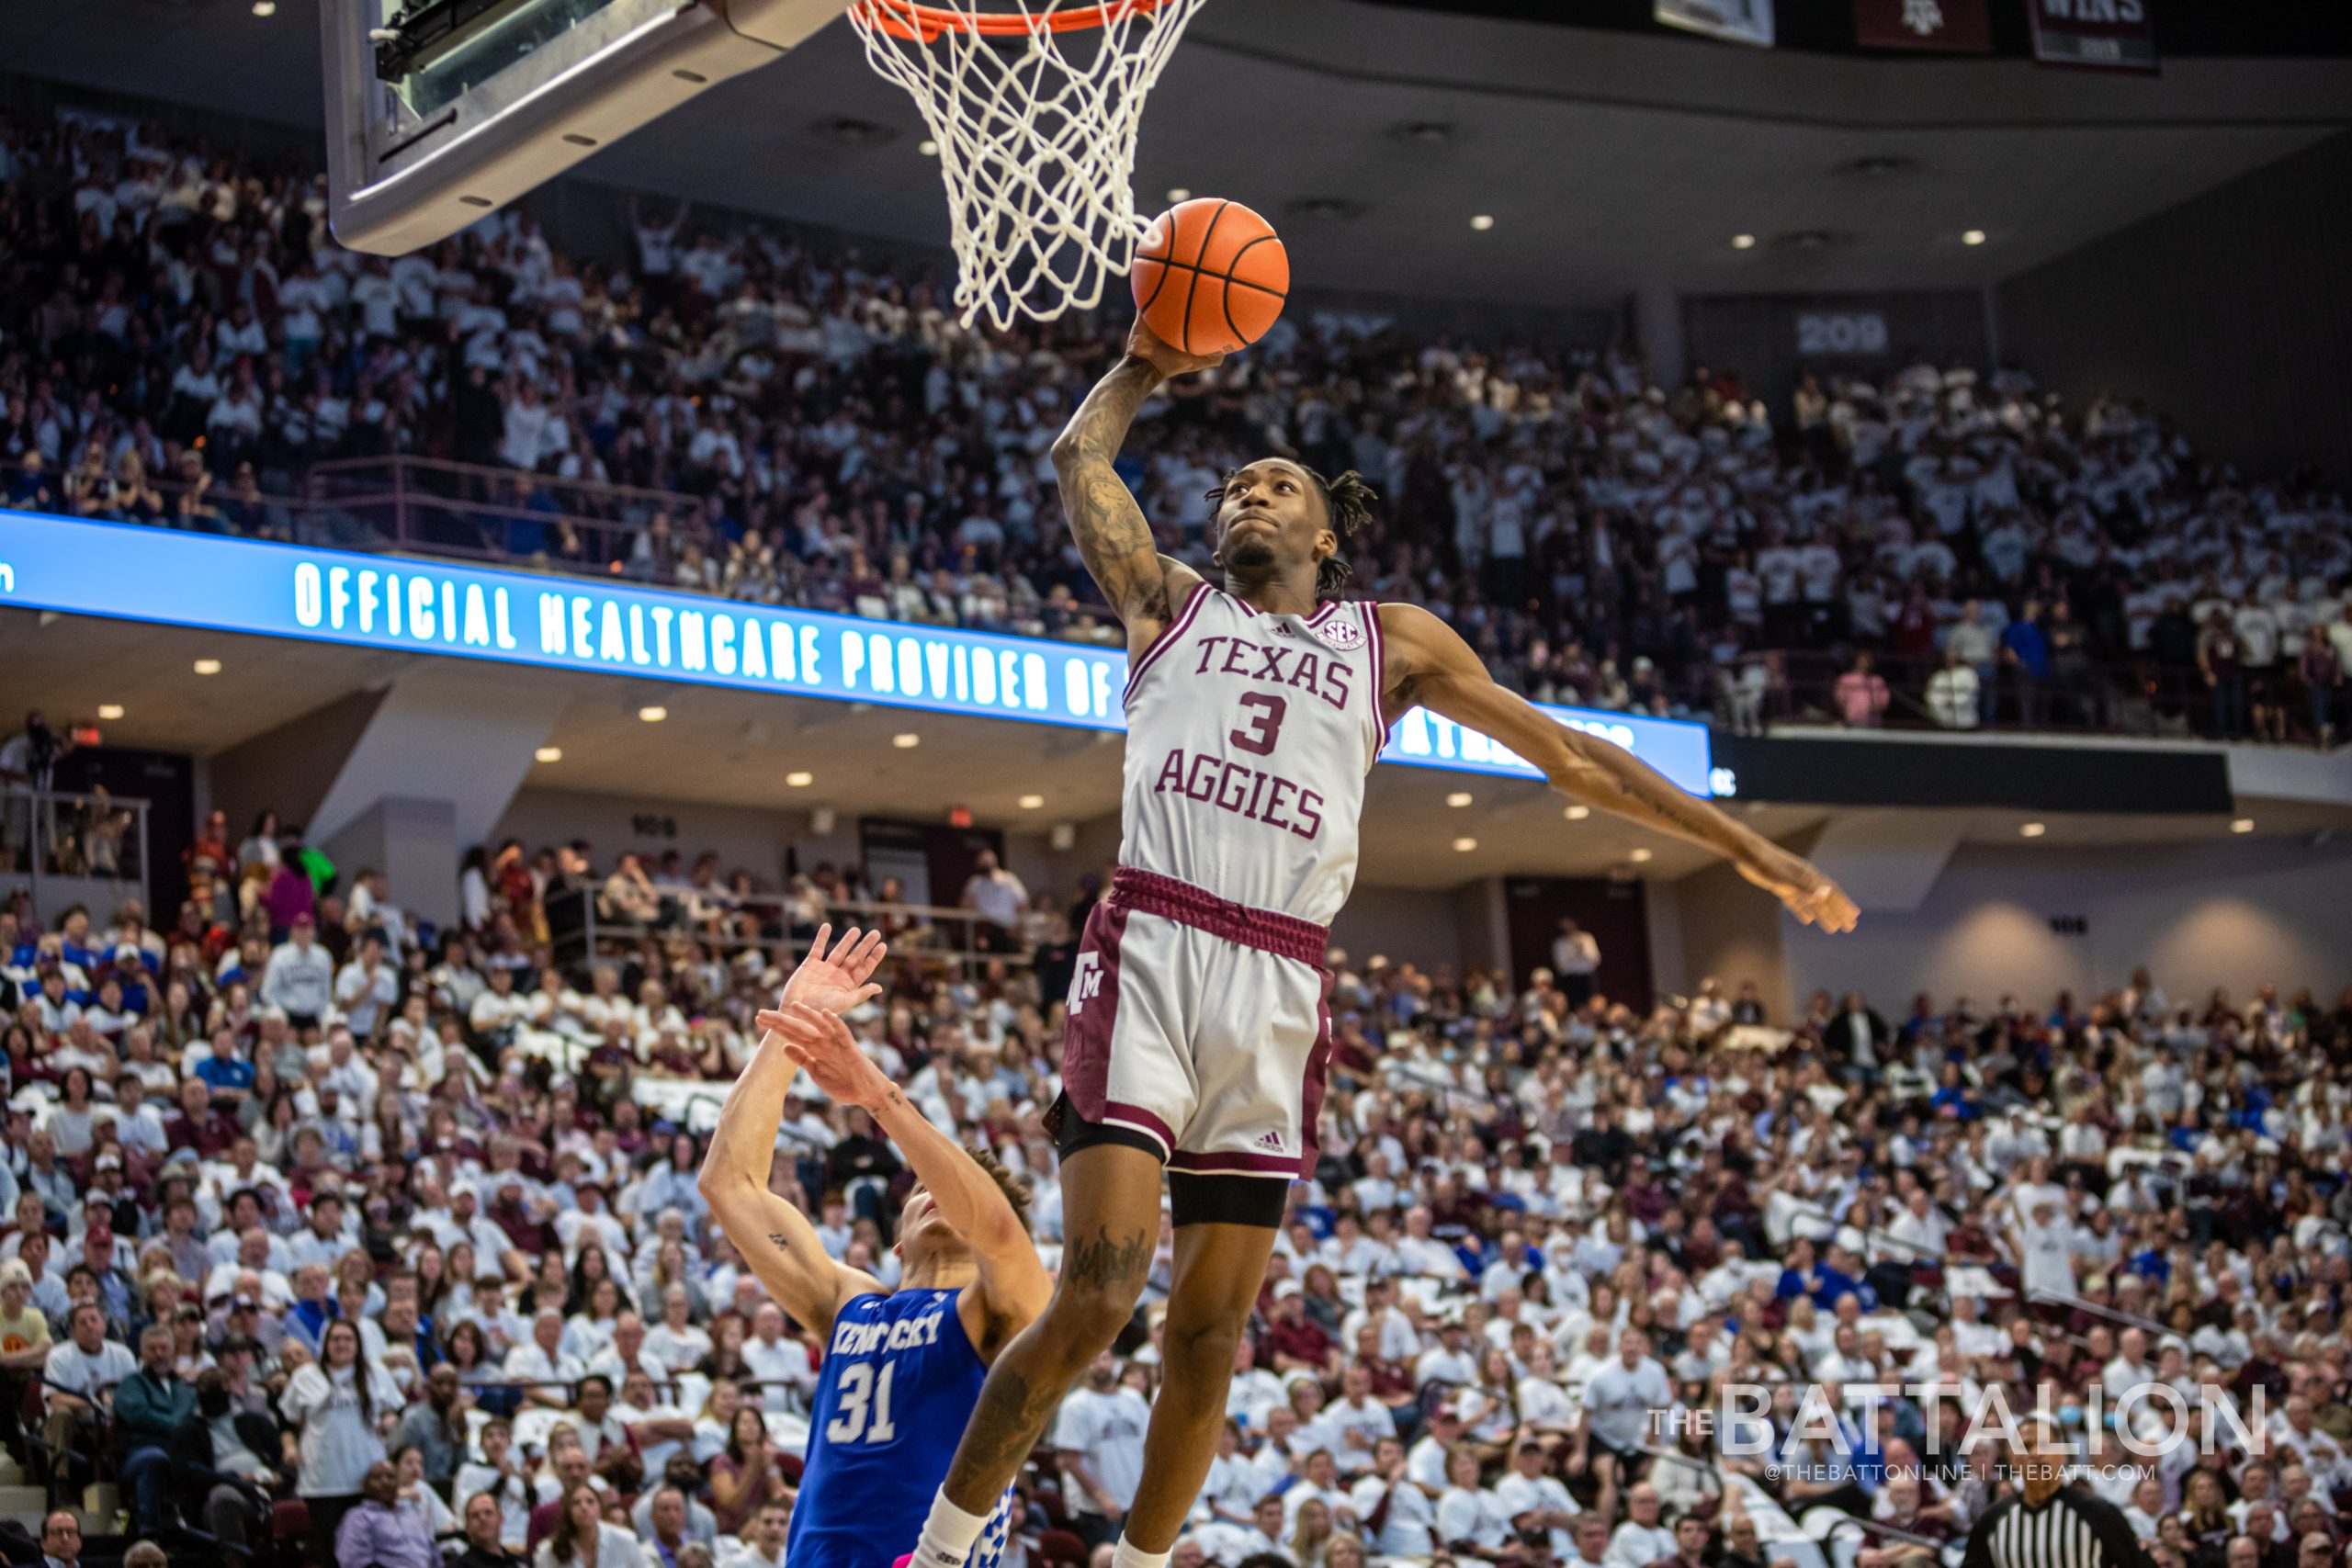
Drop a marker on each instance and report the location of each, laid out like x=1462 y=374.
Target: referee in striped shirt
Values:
x=2046 y=1524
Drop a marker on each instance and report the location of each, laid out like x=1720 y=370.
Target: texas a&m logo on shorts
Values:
x=1085 y=982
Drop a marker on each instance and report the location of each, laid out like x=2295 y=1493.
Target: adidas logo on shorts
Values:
x=1270 y=1141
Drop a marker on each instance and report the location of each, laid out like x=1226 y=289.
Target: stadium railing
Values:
x=64 y=847
x=533 y=522
x=584 y=931
x=2136 y=696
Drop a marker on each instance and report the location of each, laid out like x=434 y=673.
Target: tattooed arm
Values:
x=1432 y=667
x=775 y=1237
x=1103 y=517
x=1013 y=1284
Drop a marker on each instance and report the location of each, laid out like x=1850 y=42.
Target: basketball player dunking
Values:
x=1197 y=1034
x=903 y=1367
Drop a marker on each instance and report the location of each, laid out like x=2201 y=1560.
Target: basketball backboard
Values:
x=441 y=110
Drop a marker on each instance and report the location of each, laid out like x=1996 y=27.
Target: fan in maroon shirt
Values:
x=1296 y=1342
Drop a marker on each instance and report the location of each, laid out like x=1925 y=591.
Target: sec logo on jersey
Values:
x=1341 y=633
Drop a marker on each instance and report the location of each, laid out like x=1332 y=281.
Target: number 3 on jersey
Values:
x=1265 y=728
x=863 y=1391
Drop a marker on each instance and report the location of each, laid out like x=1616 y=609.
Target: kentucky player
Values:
x=1197 y=1036
x=903 y=1367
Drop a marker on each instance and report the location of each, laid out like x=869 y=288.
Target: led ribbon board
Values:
x=415 y=605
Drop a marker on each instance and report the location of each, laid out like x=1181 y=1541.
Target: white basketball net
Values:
x=1036 y=126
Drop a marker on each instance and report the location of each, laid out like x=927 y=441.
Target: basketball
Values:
x=1210 y=275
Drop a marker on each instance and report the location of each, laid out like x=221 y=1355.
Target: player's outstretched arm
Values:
x=1430 y=665
x=775 y=1238
x=1103 y=517
x=1013 y=1283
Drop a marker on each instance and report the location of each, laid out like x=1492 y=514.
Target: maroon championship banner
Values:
x=2096 y=35
x=1960 y=27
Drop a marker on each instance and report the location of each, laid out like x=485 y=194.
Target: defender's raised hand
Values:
x=841 y=979
x=820 y=1043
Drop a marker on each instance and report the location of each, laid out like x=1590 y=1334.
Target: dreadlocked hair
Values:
x=1347 y=502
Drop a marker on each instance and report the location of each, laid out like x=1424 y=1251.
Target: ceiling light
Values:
x=1458 y=799
x=1743 y=242
x=207 y=666
x=1032 y=802
x=851 y=131
x=1639 y=857
x=653 y=714
x=2032 y=831
x=2242 y=825
x=1463 y=846
x=799 y=781
x=265 y=7
x=1577 y=813
x=109 y=710
x=906 y=740
x=1972 y=237
x=1177 y=194
x=549 y=754
x=1320 y=206
x=1483 y=221
x=927 y=147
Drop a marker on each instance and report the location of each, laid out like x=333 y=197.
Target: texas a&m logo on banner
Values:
x=1960 y=26
x=2098 y=35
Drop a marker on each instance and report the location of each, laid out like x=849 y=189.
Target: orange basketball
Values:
x=1210 y=275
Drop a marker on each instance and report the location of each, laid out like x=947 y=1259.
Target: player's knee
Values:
x=1085 y=1318
x=1203 y=1346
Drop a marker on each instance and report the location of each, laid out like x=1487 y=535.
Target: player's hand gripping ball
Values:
x=1210 y=276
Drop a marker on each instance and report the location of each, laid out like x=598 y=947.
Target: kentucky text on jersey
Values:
x=899 y=1382
x=864 y=1339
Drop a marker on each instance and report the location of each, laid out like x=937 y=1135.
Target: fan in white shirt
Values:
x=1234 y=1484
x=1253 y=1390
x=1399 y=1515
x=675 y=1342
x=1471 y=1520
x=1357 y=1422
x=1398 y=1341
x=1640 y=1540
x=1098 y=1436
x=1537 y=1501
x=1320 y=1483
x=545 y=1361
x=775 y=1357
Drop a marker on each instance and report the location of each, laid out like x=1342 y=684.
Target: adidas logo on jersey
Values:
x=1272 y=1142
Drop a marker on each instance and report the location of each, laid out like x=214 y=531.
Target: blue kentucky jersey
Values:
x=899 y=1382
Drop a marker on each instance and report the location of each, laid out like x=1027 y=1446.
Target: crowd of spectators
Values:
x=180 y=341
x=308 y=1202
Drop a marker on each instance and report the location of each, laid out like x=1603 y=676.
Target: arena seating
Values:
x=746 y=413
x=1511 y=1187
x=291 y=1112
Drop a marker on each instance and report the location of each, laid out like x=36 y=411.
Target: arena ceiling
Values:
x=1609 y=157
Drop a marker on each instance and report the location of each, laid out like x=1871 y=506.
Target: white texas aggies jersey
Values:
x=1248 y=738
